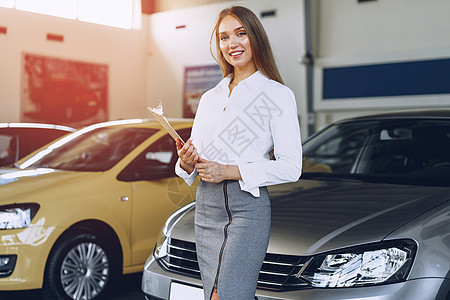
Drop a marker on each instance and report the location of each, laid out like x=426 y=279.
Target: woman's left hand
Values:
x=211 y=171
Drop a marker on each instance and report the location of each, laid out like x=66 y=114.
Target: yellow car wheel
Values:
x=81 y=266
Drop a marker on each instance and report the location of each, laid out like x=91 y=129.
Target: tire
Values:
x=80 y=266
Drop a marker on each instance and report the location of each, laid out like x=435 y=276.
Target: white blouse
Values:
x=242 y=128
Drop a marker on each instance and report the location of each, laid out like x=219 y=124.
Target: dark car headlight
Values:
x=17 y=216
x=378 y=263
x=161 y=243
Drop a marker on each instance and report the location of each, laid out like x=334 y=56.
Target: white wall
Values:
x=122 y=50
x=147 y=65
x=383 y=31
x=351 y=29
x=169 y=49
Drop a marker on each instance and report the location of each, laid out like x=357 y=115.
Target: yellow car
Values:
x=80 y=211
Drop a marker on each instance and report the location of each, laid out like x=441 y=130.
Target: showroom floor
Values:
x=130 y=290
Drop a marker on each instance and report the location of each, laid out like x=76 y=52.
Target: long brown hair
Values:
x=262 y=52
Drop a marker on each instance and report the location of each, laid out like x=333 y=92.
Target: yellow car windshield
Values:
x=96 y=150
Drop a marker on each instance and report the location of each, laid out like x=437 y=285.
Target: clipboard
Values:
x=158 y=113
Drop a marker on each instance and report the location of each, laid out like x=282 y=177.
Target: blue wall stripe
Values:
x=392 y=79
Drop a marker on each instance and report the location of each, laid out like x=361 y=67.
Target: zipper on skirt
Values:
x=225 y=231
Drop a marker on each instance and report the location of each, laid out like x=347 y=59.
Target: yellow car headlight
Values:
x=17 y=216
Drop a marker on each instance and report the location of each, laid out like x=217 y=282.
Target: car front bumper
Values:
x=30 y=246
x=156 y=284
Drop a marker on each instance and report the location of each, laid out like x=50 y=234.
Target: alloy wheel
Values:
x=84 y=271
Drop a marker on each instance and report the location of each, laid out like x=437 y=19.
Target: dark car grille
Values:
x=277 y=273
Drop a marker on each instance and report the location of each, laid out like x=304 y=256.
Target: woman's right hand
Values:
x=188 y=155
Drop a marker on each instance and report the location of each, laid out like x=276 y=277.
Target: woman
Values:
x=237 y=124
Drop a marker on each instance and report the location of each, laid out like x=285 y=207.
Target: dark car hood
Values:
x=312 y=216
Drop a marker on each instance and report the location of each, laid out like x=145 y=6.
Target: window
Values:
x=96 y=150
x=155 y=162
x=119 y=13
x=9 y=150
x=7 y=3
x=393 y=151
x=106 y=12
x=418 y=149
x=59 y=8
x=335 y=150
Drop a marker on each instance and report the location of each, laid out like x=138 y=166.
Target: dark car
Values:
x=369 y=219
x=19 y=139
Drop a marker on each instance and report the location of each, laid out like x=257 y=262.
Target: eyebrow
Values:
x=236 y=29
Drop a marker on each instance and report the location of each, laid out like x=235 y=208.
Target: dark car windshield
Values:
x=94 y=150
x=395 y=151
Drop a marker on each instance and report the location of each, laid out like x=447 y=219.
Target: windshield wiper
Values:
x=377 y=179
x=343 y=177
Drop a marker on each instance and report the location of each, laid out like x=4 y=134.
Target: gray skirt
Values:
x=232 y=231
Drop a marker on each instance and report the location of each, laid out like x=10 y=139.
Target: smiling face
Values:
x=235 y=45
